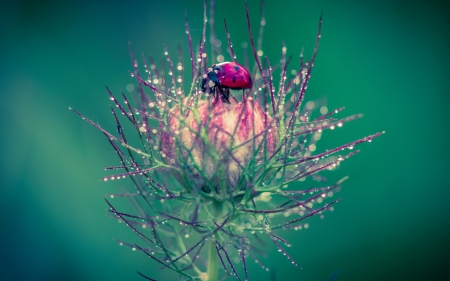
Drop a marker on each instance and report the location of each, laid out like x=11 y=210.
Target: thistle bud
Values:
x=219 y=139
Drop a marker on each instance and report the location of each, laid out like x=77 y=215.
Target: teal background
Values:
x=386 y=59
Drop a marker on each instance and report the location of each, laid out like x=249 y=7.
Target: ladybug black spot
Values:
x=236 y=68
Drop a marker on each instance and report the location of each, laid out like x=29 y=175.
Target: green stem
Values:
x=213 y=257
x=213 y=263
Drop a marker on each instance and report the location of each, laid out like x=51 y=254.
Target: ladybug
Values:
x=227 y=75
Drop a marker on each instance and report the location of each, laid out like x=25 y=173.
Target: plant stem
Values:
x=213 y=257
x=213 y=263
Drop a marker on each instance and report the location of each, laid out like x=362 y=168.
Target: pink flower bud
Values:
x=217 y=137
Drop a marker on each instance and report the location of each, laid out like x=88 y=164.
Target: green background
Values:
x=386 y=59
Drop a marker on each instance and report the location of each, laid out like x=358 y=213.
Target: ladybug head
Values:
x=210 y=78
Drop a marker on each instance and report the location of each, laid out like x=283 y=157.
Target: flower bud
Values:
x=219 y=139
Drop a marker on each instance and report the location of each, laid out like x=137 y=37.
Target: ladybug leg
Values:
x=214 y=82
x=225 y=94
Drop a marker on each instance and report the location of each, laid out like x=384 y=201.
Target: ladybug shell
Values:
x=233 y=75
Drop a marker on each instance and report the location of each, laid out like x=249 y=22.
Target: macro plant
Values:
x=211 y=162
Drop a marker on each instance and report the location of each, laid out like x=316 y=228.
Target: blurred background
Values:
x=386 y=59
